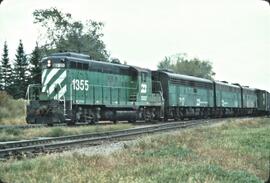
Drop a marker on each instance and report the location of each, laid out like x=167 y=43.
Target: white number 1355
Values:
x=80 y=84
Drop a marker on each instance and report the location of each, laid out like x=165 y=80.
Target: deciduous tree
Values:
x=65 y=34
x=180 y=64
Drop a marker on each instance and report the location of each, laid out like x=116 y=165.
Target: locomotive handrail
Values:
x=161 y=96
x=27 y=95
x=103 y=86
x=157 y=83
x=71 y=99
x=160 y=92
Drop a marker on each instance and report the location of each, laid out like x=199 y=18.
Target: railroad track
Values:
x=18 y=148
x=27 y=126
x=3 y=127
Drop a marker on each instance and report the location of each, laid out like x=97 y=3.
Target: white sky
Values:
x=233 y=34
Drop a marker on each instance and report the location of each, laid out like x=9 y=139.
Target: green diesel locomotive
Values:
x=185 y=96
x=75 y=88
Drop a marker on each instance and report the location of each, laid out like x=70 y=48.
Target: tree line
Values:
x=61 y=33
x=24 y=70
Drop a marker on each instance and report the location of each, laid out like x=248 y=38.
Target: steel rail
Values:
x=26 y=126
x=70 y=141
x=21 y=126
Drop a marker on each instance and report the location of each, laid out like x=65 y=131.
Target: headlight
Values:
x=49 y=63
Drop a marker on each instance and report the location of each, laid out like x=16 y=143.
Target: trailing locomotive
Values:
x=185 y=96
x=75 y=88
x=192 y=97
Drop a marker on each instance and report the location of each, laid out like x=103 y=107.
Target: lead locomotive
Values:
x=75 y=88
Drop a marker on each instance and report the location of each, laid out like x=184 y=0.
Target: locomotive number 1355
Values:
x=80 y=84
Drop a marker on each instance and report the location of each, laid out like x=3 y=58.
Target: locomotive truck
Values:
x=75 y=88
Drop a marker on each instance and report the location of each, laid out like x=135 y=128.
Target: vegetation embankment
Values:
x=237 y=151
x=30 y=133
x=11 y=111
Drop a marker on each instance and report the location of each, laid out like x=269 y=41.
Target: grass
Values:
x=19 y=134
x=11 y=111
x=237 y=151
x=13 y=121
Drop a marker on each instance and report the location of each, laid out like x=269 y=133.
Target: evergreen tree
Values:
x=20 y=75
x=5 y=70
x=35 y=70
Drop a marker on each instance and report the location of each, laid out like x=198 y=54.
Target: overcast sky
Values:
x=233 y=34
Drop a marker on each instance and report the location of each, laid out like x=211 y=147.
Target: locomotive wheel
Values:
x=132 y=121
x=94 y=121
x=71 y=123
x=50 y=124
